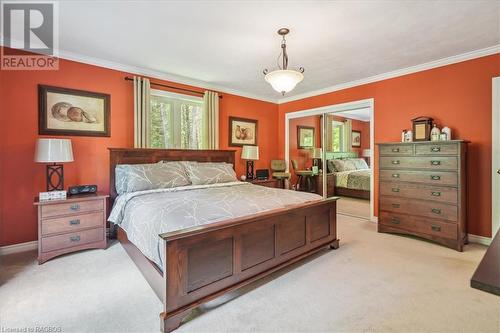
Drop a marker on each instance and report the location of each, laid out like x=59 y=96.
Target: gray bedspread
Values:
x=146 y=214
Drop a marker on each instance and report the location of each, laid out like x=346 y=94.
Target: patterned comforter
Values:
x=355 y=179
x=146 y=214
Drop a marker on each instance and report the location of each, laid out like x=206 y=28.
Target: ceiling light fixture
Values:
x=283 y=79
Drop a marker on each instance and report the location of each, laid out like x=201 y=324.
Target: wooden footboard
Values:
x=205 y=262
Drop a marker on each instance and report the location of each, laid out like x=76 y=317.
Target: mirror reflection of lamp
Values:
x=367 y=153
x=317 y=155
x=250 y=153
x=54 y=151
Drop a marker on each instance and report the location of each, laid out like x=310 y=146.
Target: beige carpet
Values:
x=373 y=283
x=354 y=207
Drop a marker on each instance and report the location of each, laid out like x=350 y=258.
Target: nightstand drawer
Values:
x=73 y=239
x=58 y=209
x=72 y=223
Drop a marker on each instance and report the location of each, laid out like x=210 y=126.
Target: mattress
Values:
x=146 y=214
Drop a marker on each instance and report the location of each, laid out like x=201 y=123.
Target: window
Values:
x=337 y=136
x=175 y=121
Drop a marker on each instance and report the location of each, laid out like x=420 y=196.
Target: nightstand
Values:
x=72 y=224
x=265 y=182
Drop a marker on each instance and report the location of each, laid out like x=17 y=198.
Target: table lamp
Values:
x=367 y=153
x=54 y=151
x=250 y=153
x=317 y=155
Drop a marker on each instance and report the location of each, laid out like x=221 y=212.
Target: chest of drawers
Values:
x=69 y=225
x=423 y=190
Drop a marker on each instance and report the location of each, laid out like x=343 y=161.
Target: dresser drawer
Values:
x=422 y=162
x=419 y=225
x=406 y=149
x=419 y=207
x=71 y=208
x=59 y=242
x=72 y=223
x=424 y=192
x=425 y=177
x=437 y=149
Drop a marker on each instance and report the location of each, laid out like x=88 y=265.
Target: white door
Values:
x=496 y=156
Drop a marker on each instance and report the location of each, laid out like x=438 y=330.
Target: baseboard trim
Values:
x=374 y=219
x=21 y=247
x=479 y=239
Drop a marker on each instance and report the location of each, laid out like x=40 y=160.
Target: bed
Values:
x=347 y=176
x=199 y=259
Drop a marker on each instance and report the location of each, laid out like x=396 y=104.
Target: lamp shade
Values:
x=53 y=151
x=284 y=81
x=250 y=153
x=366 y=153
x=316 y=153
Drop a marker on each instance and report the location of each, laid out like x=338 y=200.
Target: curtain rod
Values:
x=171 y=87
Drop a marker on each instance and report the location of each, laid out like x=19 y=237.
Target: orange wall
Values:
x=458 y=96
x=21 y=179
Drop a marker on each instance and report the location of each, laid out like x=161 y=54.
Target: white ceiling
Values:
x=225 y=45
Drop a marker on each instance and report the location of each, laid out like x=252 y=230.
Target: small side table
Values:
x=266 y=182
x=72 y=224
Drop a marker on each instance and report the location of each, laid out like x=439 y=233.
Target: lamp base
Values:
x=55 y=177
x=249 y=169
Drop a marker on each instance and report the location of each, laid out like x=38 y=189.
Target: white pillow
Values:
x=210 y=173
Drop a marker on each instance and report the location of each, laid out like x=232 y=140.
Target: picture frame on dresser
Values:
x=423 y=190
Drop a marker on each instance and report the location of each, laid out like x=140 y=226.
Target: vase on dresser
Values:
x=423 y=190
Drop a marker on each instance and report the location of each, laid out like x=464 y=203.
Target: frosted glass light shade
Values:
x=284 y=81
x=53 y=151
x=250 y=153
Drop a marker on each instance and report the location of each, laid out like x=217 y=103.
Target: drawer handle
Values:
x=435 y=162
x=436 y=210
x=74 y=238
x=436 y=194
x=395 y=205
x=395 y=189
x=395 y=162
x=435 y=227
x=395 y=175
x=395 y=220
x=395 y=150
x=436 y=177
x=436 y=149
x=75 y=207
x=74 y=222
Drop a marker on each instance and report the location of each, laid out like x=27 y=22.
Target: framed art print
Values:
x=63 y=111
x=356 y=139
x=242 y=132
x=305 y=137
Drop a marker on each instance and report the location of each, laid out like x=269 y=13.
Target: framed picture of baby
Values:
x=63 y=111
x=242 y=132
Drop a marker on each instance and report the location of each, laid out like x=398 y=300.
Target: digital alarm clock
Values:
x=82 y=189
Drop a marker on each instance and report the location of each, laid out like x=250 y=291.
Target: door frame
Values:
x=359 y=104
x=495 y=158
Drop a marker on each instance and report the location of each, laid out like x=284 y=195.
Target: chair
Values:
x=301 y=175
x=278 y=168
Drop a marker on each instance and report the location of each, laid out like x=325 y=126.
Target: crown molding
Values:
x=400 y=72
x=158 y=75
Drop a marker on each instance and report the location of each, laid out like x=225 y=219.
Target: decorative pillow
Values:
x=141 y=177
x=344 y=165
x=331 y=166
x=210 y=173
x=360 y=163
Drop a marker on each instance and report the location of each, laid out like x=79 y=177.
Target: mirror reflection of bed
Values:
x=345 y=146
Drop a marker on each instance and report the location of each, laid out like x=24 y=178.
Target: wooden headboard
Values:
x=143 y=155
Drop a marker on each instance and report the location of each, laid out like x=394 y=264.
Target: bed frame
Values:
x=205 y=262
